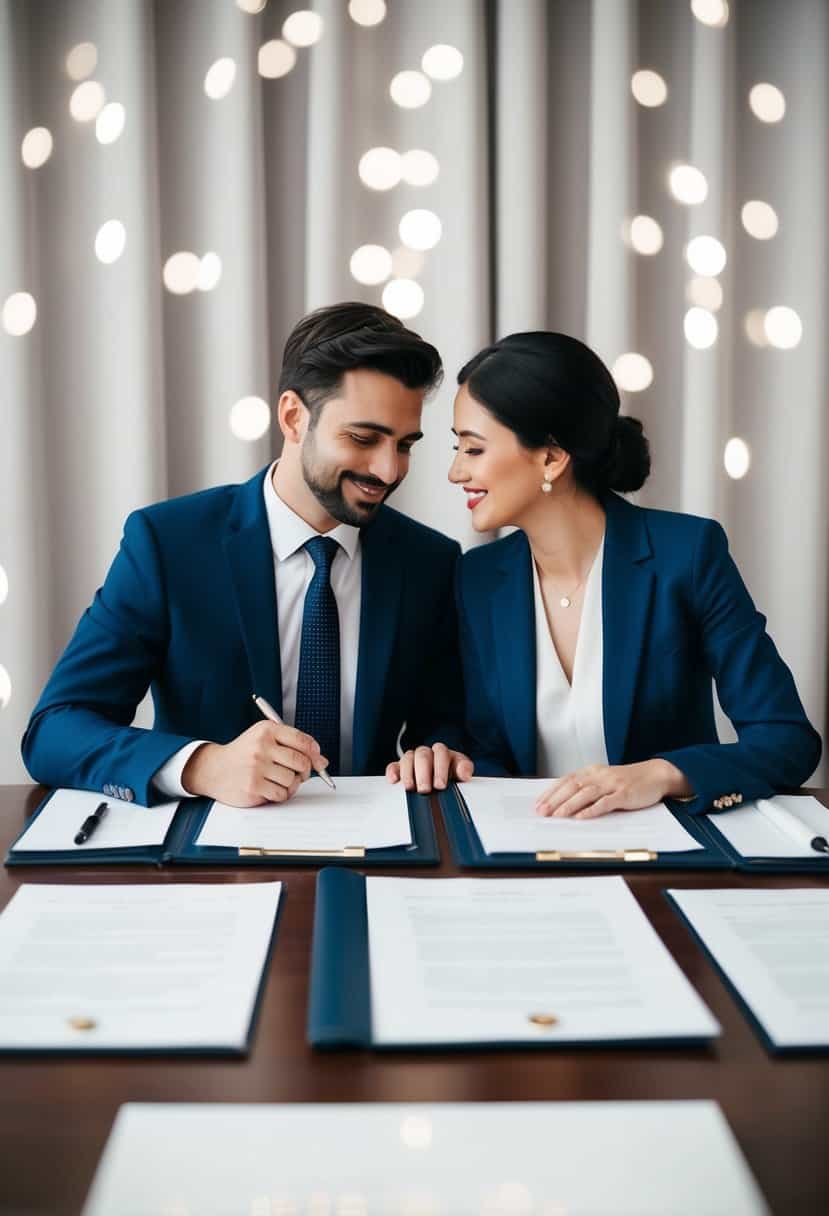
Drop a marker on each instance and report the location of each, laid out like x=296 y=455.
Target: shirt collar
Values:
x=289 y=532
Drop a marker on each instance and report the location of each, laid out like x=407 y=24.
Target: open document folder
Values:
x=771 y=948
x=400 y=962
x=149 y=968
x=491 y=822
x=458 y=1159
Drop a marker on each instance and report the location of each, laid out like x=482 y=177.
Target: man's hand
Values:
x=429 y=768
x=267 y=763
x=602 y=788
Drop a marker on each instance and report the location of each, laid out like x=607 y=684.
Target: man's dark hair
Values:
x=343 y=337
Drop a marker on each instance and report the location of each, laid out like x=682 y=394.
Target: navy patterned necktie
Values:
x=318 y=684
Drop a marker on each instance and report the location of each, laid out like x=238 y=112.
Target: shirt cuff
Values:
x=167 y=780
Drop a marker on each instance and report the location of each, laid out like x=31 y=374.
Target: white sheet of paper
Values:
x=365 y=811
x=466 y=960
x=126 y=824
x=753 y=835
x=453 y=1159
x=155 y=966
x=772 y=946
x=503 y=811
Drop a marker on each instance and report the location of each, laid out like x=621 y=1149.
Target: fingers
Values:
x=557 y=795
x=583 y=797
x=393 y=772
x=423 y=767
x=442 y=760
x=290 y=758
x=289 y=736
x=406 y=764
x=602 y=806
x=462 y=767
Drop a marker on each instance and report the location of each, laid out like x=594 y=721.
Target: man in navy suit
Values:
x=300 y=586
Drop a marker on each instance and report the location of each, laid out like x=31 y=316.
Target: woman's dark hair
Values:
x=331 y=341
x=550 y=388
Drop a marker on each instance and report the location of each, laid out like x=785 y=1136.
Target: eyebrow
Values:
x=468 y=435
x=386 y=430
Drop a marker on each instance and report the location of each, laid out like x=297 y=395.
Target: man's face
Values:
x=358 y=451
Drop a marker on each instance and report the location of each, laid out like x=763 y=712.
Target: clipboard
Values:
x=819 y=864
x=179 y=846
x=469 y=853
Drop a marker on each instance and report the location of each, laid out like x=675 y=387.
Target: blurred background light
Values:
x=219 y=78
x=442 y=62
x=5 y=687
x=754 y=325
x=706 y=255
x=110 y=241
x=275 y=59
x=380 y=168
x=370 y=264
x=110 y=122
x=82 y=61
x=711 y=12
x=250 y=418
x=783 y=327
x=403 y=298
x=648 y=88
x=759 y=219
x=4 y=586
x=36 y=147
x=303 y=28
x=19 y=313
x=410 y=90
x=736 y=458
x=645 y=234
x=705 y=293
x=87 y=101
x=210 y=272
x=406 y=263
x=181 y=272
x=701 y=328
x=419 y=168
x=688 y=185
x=367 y=12
x=767 y=102
x=633 y=372
x=251 y=6
x=420 y=229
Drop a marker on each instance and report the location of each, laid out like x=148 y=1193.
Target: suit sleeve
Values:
x=438 y=714
x=776 y=745
x=489 y=749
x=79 y=734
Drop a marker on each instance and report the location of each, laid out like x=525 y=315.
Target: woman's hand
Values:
x=602 y=788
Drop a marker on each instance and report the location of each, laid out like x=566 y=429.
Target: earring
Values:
x=547 y=483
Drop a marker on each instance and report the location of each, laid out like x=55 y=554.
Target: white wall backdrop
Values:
x=121 y=391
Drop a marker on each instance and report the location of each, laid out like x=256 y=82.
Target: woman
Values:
x=591 y=636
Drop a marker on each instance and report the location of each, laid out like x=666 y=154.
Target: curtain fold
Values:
x=121 y=393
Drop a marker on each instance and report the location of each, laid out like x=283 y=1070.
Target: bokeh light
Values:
x=367 y=12
x=110 y=122
x=4 y=586
x=87 y=101
x=406 y=263
x=633 y=372
x=181 y=272
x=701 y=328
x=110 y=241
x=754 y=324
x=759 y=219
x=380 y=168
x=419 y=168
x=711 y=12
x=82 y=61
x=783 y=327
x=251 y=6
x=706 y=255
x=275 y=59
x=705 y=293
x=250 y=418
x=442 y=62
x=416 y=1131
x=410 y=90
x=219 y=78
x=5 y=687
x=370 y=264
x=403 y=298
x=688 y=185
x=420 y=229
x=19 y=313
x=210 y=272
x=36 y=147
x=736 y=458
x=649 y=88
x=767 y=102
x=645 y=235
x=303 y=28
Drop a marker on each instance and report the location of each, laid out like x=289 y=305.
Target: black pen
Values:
x=91 y=822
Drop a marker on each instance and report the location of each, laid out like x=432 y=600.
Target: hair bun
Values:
x=629 y=458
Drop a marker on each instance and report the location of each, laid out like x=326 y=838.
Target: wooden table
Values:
x=55 y=1114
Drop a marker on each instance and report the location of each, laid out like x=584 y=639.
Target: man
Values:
x=300 y=586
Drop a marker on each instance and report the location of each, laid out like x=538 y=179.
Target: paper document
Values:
x=125 y=825
x=466 y=960
x=446 y=1159
x=753 y=835
x=155 y=966
x=772 y=946
x=503 y=812
x=365 y=811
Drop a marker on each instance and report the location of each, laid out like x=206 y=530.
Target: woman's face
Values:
x=501 y=478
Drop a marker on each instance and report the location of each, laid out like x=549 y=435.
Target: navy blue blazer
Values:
x=675 y=614
x=188 y=609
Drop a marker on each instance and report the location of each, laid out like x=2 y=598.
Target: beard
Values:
x=327 y=488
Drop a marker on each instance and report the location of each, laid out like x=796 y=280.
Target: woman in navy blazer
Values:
x=541 y=446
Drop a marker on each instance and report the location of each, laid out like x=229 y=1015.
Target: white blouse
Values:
x=570 y=717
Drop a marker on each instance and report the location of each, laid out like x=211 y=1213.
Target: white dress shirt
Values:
x=293 y=571
x=570 y=717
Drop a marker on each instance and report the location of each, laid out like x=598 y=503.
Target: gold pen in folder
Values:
x=267 y=711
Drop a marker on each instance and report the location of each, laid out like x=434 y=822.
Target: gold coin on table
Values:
x=543 y=1019
x=81 y=1023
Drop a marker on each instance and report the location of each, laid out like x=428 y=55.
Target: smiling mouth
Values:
x=474 y=497
x=370 y=489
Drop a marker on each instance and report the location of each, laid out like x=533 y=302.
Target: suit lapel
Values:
x=627 y=592
x=513 y=632
x=247 y=545
x=381 y=589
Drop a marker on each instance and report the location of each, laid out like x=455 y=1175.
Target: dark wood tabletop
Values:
x=56 y=1113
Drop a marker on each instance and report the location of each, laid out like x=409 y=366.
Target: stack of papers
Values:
x=458 y=1159
x=772 y=947
x=363 y=812
x=126 y=825
x=488 y=960
x=153 y=967
x=503 y=812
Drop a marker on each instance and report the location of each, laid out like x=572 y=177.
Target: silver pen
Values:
x=267 y=710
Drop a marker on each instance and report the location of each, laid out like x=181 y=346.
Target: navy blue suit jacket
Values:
x=675 y=614
x=188 y=609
